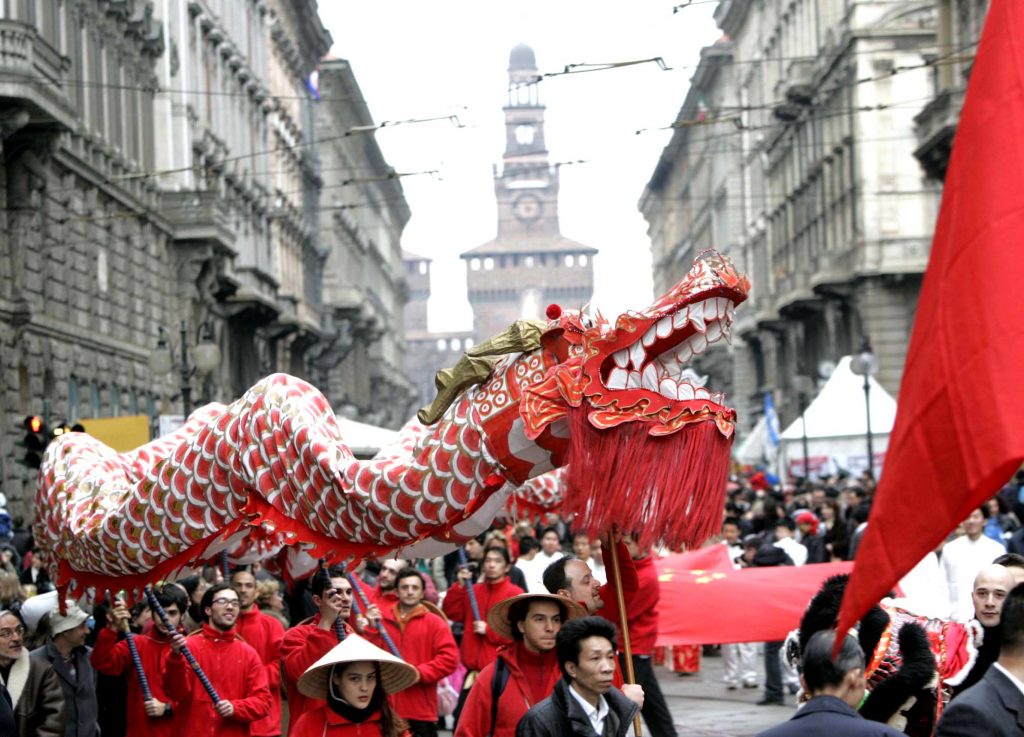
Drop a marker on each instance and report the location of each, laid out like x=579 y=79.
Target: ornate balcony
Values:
x=33 y=74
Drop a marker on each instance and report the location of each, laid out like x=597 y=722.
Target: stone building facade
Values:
x=160 y=169
x=528 y=265
x=794 y=153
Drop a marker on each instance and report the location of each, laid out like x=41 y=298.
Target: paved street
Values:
x=702 y=706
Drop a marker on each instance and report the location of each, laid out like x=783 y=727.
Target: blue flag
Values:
x=771 y=420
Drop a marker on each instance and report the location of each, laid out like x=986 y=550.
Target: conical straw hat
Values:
x=498 y=616
x=395 y=673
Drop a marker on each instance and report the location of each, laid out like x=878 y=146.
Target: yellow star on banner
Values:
x=666 y=577
x=697 y=572
x=718 y=575
x=703 y=579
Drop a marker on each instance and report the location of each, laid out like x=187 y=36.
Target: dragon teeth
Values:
x=679 y=319
x=714 y=331
x=702 y=393
x=637 y=355
x=649 y=379
x=685 y=391
x=633 y=381
x=696 y=316
x=621 y=357
x=664 y=326
x=668 y=388
x=648 y=339
x=617 y=378
x=698 y=343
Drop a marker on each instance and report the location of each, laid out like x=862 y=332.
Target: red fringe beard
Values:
x=668 y=490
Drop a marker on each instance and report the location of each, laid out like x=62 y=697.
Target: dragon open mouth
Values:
x=657 y=362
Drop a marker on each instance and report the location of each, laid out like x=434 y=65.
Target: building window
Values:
x=474 y=264
x=569 y=260
x=456 y=344
x=423 y=267
x=469 y=343
x=488 y=263
x=529 y=261
x=115 y=401
x=72 y=400
x=442 y=344
x=581 y=260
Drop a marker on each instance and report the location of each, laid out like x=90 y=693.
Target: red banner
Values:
x=704 y=600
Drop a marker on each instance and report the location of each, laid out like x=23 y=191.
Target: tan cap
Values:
x=64 y=622
x=395 y=673
x=498 y=616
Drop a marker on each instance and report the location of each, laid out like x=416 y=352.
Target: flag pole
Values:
x=624 y=625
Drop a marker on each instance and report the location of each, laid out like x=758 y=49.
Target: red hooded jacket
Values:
x=425 y=641
x=323 y=722
x=531 y=679
x=303 y=645
x=478 y=650
x=235 y=671
x=265 y=634
x=111 y=657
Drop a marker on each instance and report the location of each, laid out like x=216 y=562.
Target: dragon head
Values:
x=644 y=433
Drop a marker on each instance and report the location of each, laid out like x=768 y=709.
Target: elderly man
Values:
x=584 y=697
x=36 y=698
x=995 y=706
x=65 y=650
x=991 y=587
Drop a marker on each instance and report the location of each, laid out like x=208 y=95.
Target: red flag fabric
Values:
x=959 y=430
x=704 y=600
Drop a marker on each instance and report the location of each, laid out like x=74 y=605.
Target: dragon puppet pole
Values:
x=339 y=626
x=624 y=624
x=147 y=695
x=155 y=606
x=473 y=605
x=380 y=622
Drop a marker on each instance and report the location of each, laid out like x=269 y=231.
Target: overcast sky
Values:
x=426 y=59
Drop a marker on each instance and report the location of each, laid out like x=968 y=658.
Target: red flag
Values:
x=959 y=430
x=705 y=600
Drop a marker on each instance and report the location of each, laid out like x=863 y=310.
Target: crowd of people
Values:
x=515 y=634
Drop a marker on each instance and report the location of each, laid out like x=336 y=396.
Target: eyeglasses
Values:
x=7 y=632
x=225 y=602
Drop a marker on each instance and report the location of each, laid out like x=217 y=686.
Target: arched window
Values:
x=456 y=344
x=474 y=264
x=582 y=260
x=569 y=260
x=442 y=344
x=423 y=267
x=470 y=343
x=488 y=263
x=529 y=260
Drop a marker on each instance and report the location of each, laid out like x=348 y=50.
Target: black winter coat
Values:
x=560 y=715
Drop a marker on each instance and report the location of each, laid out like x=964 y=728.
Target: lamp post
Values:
x=803 y=385
x=205 y=354
x=865 y=364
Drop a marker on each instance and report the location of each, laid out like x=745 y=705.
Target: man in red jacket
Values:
x=480 y=642
x=310 y=640
x=424 y=641
x=642 y=617
x=523 y=673
x=110 y=656
x=264 y=633
x=232 y=667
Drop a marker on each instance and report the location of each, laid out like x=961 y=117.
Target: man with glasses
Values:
x=231 y=665
x=311 y=639
x=31 y=685
x=111 y=656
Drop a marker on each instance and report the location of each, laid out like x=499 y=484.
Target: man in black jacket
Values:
x=995 y=706
x=584 y=703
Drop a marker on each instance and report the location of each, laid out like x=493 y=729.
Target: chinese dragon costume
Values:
x=643 y=448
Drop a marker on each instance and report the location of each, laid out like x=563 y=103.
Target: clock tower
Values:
x=529 y=264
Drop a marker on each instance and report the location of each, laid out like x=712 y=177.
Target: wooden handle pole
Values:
x=624 y=625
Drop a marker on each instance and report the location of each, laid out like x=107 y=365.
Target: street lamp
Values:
x=206 y=355
x=865 y=364
x=803 y=386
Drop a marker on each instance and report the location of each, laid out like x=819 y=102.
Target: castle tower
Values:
x=529 y=264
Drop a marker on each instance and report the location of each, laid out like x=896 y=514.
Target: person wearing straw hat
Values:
x=311 y=639
x=524 y=672
x=350 y=686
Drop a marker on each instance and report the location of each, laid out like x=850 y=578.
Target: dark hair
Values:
x=730 y=521
x=820 y=670
x=527 y=545
x=207 y=601
x=555 y=577
x=410 y=572
x=1011 y=621
x=498 y=549
x=390 y=724
x=786 y=522
x=546 y=530
x=861 y=512
x=573 y=632
x=1010 y=560
x=173 y=593
x=322 y=580
x=517 y=613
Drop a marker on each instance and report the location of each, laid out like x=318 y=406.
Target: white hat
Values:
x=34 y=607
x=64 y=622
x=395 y=673
x=498 y=616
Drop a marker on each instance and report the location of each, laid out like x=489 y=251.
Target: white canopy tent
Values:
x=756 y=447
x=837 y=426
x=364 y=440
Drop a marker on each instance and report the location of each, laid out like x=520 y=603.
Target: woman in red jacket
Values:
x=354 y=679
